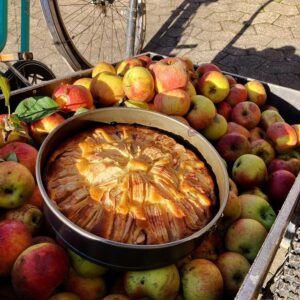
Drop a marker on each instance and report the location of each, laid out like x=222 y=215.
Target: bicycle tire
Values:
x=33 y=70
x=67 y=42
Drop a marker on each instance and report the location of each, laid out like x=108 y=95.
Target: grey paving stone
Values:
x=289 y=80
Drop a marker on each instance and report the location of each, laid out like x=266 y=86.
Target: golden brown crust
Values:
x=130 y=184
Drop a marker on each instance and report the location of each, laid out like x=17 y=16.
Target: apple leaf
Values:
x=12 y=157
x=4 y=86
x=81 y=110
x=35 y=108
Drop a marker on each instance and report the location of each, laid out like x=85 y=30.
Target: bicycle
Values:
x=25 y=71
x=88 y=31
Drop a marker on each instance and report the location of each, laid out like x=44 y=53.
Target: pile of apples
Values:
x=259 y=148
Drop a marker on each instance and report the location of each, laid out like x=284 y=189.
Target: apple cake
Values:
x=131 y=184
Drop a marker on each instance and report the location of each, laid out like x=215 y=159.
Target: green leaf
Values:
x=4 y=86
x=35 y=108
x=12 y=157
x=81 y=110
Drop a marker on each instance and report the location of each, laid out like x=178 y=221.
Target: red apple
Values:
x=170 y=73
x=39 y=270
x=71 y=97
x=224 y=109
x=233 y=145
x=297 y=130
x=237 y=94
x=173 y=102
x=232 y=210
x=257 y=133
x=146 y=60
x=232 y=81
x=202 y=113
x=256 y=92
x=278 y=164
x=246 y=114
x=236 y=128
x=283 y=136
x=214 y=85
x=127 y=64
x=41 y=128
x=42 y=239
x=278 y=186
x=207 y=67
x=26 y=154
x=15 y=237
x=36 y=198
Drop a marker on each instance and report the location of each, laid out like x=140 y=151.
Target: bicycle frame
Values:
x=25 y=25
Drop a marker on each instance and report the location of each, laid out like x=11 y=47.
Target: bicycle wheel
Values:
x=34 y=71
x=86 y=32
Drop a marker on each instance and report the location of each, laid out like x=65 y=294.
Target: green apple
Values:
x=269 y=117
x=245 y=236
x=234 y=268
x=85 y=267
x=156 y=284
x=257 y=208
x=216 y=129
x=233 y=208
x=249 y=170
x=201 y=279
x=263 y=149
x=257 y=191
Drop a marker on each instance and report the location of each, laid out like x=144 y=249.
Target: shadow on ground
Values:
x=276 y=65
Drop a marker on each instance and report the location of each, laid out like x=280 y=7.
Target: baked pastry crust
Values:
x=130 y=184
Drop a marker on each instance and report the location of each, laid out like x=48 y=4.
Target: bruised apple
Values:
x=41 y=128
x=269 y=117
x=15 y=237
x=173 y=102
x=138 y=84
x=16 y=184
x=26 y=154
x=44 y=266
x=72 y=97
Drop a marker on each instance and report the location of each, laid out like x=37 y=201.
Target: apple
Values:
x=189 y=64
x=216 y=129
x=224 y=109
x=107 y=88
x=161 y=283
x=207 y=67
x=26 y=154
x=181 y=119
x=233 y=127
x=297 y=130
x=137 y=104
x=232 y=186
x=84 y=81
x=237 y=94
x=201 y=279
x=232 y=81
x=103 y=67
x=36 y=198
x=72 y=97
x=268 y=106
x=42 y=239
x=257 y=208
x=41 y=128
x=15 y=237
x=16 y=184
x=64 y=296
x=214 y=85
x=263 y=149
x=84 y=287
x=170 y=73
x=190 y=89
x=115 y=297
x=249 y=170
x=29 y=214
x=127 y=64
x=232 y=209
x=256 y=92
x=245 y=236
x=84 y=267
x=172 y=102
x=39 y=270
x=202 y=113
x=269 y=117
x=138 y=84
x=232 y=145
x=257 y=133
x=283 y=136
x=246 y=114
x=294 y=164
x=258 y=192
x=146 y=60
x=234 y=268
x=210 y=248
x=278 y=186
